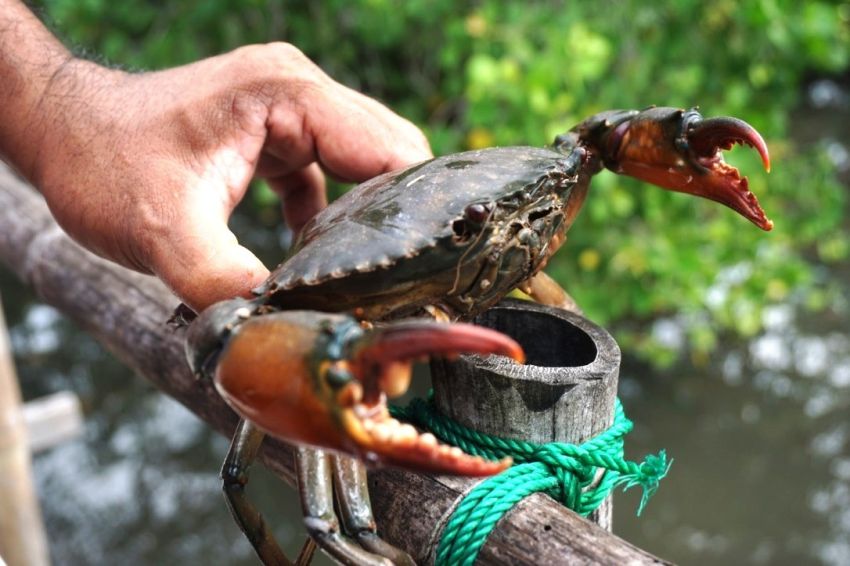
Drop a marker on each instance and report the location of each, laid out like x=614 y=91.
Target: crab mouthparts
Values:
x=384 y=366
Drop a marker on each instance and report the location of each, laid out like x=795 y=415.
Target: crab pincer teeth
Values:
x=709 y=136
x=716 y=179
x=388 y=442
x=382 y=363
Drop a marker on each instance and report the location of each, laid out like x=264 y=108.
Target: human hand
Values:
x=145 y=169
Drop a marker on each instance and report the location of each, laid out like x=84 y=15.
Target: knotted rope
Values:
x=563 y=471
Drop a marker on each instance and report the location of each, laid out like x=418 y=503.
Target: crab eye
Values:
x=477 y=213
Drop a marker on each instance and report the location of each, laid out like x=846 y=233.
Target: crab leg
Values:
x=317 y=473
x=314 y=473
x=234 y=475
x=547 y=291
x=355 y=510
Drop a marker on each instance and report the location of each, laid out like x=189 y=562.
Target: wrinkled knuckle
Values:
x=284 y=59
x=289 y=54
x=278 y=68
x=265 y=58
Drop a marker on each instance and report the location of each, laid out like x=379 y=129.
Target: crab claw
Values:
x=323 y=379
x=681 y=151
x=382 y=362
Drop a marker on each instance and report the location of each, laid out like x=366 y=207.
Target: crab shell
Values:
x=466 y=228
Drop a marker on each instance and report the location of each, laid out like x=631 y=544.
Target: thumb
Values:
x=209 y=265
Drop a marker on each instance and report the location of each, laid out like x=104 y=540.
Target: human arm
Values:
x=145 y=169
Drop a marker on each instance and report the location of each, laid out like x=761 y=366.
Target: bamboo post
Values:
x=22 y=538
x=564 y=393
x=126 y=312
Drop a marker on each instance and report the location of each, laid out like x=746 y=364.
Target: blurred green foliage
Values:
x=475 y=74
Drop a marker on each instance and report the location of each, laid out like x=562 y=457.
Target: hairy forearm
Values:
x=30 y=58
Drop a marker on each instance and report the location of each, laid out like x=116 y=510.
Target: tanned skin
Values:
x=145 y=169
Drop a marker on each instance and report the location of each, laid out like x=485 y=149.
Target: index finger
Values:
x=351 y=136
x=388 y=137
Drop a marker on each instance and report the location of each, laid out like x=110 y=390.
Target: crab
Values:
x=446 y=238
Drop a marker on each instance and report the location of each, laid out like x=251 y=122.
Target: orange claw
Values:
x=680 y=150
x=322 y=380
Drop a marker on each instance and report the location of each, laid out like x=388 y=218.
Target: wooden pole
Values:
x=564 y=393
x=126 y=312
x=22 y=538
x=52 y=419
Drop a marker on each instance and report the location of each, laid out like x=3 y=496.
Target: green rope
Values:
x=563 y=471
